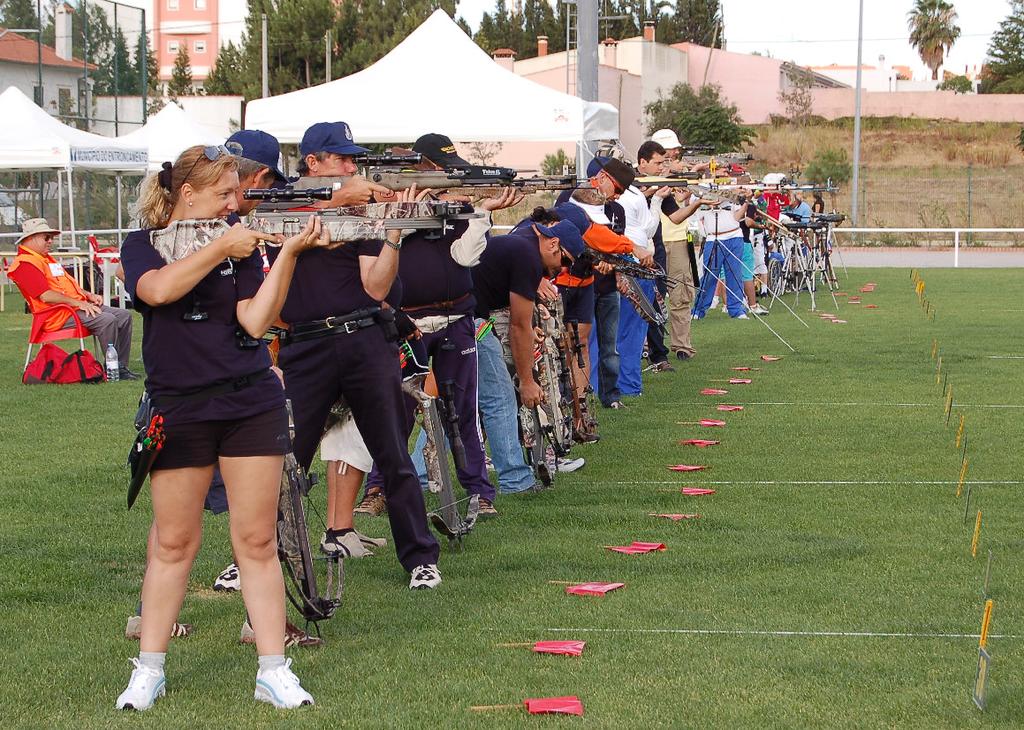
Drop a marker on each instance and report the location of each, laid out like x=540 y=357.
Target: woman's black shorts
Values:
x=200 y=443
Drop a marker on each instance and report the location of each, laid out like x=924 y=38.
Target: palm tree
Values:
x=933 y=31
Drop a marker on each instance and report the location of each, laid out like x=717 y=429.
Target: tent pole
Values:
x=60 y=201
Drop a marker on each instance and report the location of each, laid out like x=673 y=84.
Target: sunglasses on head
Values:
x=212 y=153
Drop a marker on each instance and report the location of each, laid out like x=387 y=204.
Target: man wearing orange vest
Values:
x=44 y=282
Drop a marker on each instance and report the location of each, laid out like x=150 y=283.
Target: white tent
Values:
x=167 y=134
x=436 y=80
x=30 y=139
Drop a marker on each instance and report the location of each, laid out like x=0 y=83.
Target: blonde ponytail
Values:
x=160 y=191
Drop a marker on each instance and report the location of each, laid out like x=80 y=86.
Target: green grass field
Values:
x=835 y=512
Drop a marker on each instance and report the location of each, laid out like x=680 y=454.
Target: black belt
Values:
x=342 y=324
x=210 y=391
x=443 y=306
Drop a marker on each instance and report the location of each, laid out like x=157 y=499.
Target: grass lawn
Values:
x=835 y=512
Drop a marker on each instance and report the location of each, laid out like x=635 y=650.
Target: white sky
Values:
x=825 y=31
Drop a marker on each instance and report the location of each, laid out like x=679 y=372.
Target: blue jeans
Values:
x=498 y=412
x=718 y=255
x=604 y=369
x=631 y=338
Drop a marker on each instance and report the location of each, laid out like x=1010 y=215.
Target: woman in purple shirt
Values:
x=210 y=378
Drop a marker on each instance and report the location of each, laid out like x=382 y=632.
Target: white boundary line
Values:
x=754 y=632
x=709 y=482
x=843 y=403
x=1006 y=357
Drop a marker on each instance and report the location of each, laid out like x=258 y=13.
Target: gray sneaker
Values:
x=134 y=629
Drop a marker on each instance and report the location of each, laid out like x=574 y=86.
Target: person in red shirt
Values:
x=44 y=282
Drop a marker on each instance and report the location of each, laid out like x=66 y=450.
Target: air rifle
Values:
x=477 y=179
x=628 y=266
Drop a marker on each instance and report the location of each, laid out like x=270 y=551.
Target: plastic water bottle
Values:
x=113 y=368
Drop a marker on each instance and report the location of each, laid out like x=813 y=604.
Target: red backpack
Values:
x=53 y=365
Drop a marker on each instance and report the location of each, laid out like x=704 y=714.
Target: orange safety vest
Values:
x=601 y=238
x=56 y=278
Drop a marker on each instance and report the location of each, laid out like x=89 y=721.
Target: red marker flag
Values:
x=740 y=381
x=636 y=548
x=713 y=391
x=675 y=517
x=838 y=321
x=699 y=443
x=687 y=467
x=741 y=369
x=711 y=423
x=870 y=306
x=770 y=358
x=724 y=407
x=593 y=589
x=695 y=491
x=555 y=706
x=567 y=648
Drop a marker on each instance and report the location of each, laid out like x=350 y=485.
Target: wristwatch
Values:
x=396 y=246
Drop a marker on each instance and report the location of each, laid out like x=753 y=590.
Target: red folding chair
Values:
x=37 y=336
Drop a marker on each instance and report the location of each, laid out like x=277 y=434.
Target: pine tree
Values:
x=1004 y=71
x=19 y=14
x=227 y=73
x=181 y=75
x=696 y=21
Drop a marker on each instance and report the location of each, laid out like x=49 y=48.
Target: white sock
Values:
x=271 y=661
x=153 y=659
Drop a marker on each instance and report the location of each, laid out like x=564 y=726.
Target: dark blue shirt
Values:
x=510 y=264
x=182 y=356
x=430 y=275
x=328 y=283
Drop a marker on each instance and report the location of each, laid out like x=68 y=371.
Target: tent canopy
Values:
x=167 y=134
x=30 y=139
x=436 y=80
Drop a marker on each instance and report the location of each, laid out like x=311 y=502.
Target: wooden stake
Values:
x=977 y=534
x=960 y=431
x=985 y=621
x=515 y=645
x=492 y=708
x=960 y=481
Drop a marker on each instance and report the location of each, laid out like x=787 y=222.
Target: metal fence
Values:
x=946 y=197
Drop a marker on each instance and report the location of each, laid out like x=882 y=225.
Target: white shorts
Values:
x=759 y=265
x=343 y=442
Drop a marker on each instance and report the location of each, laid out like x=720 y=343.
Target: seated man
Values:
x=44 y=282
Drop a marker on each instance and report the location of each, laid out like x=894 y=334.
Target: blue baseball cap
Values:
x=596 y=165
x=575 y=215
x=568 y=236
x=333 y=137
x=252 y=144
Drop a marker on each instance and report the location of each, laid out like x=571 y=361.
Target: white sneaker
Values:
x=741 y=316
x=347 y=546
x=758 y=309
x=280 y=687
x=715 y=302
x=725 y=309
x=425 y=576
x=567 y=466
x=228 y=580
x=143 y=688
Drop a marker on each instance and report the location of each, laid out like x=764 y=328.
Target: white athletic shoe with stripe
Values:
x=425 y=576
x=144 y=687
x=280 y=687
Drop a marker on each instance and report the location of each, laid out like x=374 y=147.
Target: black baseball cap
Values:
x=440 y=150
x=252 y=144
x=333 y=137
x=620 y=172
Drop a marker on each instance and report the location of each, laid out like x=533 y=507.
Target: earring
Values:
x=190 y=204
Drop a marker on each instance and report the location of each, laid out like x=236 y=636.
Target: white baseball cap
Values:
x=666 y=138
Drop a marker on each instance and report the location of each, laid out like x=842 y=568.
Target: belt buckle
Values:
x=351 y=326
x=329 y=323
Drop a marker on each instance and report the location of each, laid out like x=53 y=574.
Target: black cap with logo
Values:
x=440 y=150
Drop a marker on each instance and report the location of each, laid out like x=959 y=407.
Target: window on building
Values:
x=64 y=101
x=199 y=4
x=172 y=4
x=172 y=47
x=199 y=46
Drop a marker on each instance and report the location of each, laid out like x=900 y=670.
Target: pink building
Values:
x=190 y=23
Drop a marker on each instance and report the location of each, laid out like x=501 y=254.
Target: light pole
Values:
x=854 y=213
